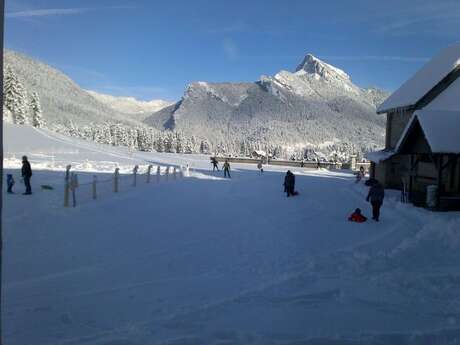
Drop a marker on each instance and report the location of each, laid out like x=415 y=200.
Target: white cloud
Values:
x=47 y=12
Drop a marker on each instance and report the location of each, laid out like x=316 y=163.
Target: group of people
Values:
x=375 y=196
x=225 y=167
x=26 y=173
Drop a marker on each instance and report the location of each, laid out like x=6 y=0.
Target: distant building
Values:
x=259 y=154
x=422 y=146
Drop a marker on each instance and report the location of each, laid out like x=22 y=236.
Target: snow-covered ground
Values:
x=207 y=260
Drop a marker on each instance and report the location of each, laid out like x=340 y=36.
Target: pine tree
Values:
x=15 y=97
x=37 y=118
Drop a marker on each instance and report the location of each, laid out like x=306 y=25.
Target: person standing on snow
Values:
x=215 y=164
x=375 y=197
x=226 y=169
x=26 y=172
x=289 y=183
x=260 y=167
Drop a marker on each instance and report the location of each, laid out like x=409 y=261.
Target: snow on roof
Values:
x=379 y=156
x=440 y=128
x=260 y=152
x=424 y=80
x=448 y=99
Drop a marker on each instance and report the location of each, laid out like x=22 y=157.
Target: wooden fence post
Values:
x=158 y=173
x=149 y=170
x=136 y=168
x=73 y=187
x=167 y=173
x=115 y=180
x=67 y=185
x=174 y=173
x=94 y=187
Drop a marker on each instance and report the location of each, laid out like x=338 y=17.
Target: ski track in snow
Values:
x=207 y=260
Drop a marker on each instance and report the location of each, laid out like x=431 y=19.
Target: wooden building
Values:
x=413 y=158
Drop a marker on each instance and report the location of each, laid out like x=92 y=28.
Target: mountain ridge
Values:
x=315 y=105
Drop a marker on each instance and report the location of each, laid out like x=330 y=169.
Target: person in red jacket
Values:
x=357 y=217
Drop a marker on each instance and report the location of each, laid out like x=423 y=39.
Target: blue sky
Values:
x=153 y=49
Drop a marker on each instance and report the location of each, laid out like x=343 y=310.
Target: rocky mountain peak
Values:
x=313 y=66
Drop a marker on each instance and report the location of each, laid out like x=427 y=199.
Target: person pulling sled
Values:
x=375 y=197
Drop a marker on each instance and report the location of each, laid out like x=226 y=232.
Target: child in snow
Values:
x=357 y=217
x=10 y=183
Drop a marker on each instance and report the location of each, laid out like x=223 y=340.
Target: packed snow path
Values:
x=203 y=261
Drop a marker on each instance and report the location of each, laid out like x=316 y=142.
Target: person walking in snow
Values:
x=10 y=183
x=215 y=164
x=227 y=169
x=375 y=197
x=289 y=184
x=260 y=167
x=26 y=172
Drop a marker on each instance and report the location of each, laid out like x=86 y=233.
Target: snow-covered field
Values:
x=205 y=260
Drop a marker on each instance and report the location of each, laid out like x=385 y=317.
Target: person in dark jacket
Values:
x=289 y=183
x=26 y=172
x=215 y=164
x=375 y=197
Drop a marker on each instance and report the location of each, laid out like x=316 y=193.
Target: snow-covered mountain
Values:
x=130 y=105
x=61 y=99
x=315 y=110
x=317 y=106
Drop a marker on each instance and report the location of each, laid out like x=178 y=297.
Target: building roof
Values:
x=429 y=76
x=379 y=156
x=440 y=128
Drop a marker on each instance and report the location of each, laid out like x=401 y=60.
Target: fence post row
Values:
x=115 y=180
x=67 y=185
x=149 y=170
x=71 y=180
x=136 y=168
x=94 y=187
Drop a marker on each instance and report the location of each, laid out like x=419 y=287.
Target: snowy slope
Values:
x=130 y=105
x=62 y=100
x=314 y=105
x=203 y=261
